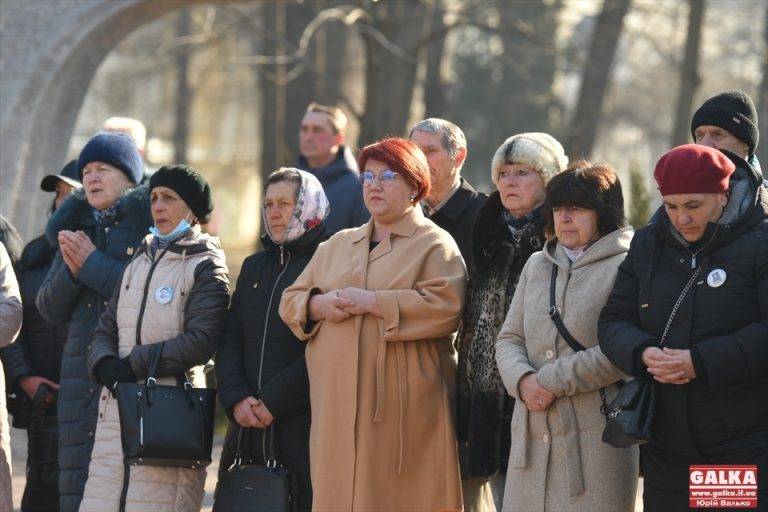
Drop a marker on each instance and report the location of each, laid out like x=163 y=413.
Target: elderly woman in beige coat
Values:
x=379 y=305
x=10 y=323
x=557 y=460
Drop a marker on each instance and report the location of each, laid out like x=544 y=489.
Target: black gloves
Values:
x=111 y=370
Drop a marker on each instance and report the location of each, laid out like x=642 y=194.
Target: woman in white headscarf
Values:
x=261 y=370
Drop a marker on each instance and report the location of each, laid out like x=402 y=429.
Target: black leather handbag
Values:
x=630 y=414
x=247 y=487
x=169 y=426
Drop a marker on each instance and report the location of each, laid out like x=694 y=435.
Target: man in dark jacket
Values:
x=321 y=140
x=32 y=364
x=452 y=203
x=113 y=232
x=689 y=310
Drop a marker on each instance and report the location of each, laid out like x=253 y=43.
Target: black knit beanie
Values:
x=732 y=111
x=190 y=185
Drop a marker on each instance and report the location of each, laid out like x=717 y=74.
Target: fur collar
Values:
x=75 y=212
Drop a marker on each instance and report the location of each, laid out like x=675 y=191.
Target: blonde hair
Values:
x=130 y=126
x=336 y=116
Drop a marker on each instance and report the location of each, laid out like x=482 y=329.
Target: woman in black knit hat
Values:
x=174 y=291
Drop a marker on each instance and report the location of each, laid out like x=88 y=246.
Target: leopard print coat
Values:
x=485 y=408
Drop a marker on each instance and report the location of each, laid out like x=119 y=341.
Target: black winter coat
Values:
x=39 y=347
x=457 y=217
x=81 y=301
x=256 y=337
x=722 y=415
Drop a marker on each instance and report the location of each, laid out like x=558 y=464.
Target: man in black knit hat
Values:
x=728 y=121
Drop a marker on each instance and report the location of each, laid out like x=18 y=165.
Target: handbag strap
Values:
x=554 y=314
x=677 y=304
x=155 y=352
x=269 y=456
x=572 y=342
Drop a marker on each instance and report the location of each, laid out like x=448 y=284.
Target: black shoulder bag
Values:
x=630 y=414
x=169 y=426
x=249 y=487
x=554 y=314
x=254 y=487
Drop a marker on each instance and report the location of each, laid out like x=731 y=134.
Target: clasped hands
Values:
x=669 y=365
x=75 y=248
x=338 y=305
x=535 y=396
x=251 y=412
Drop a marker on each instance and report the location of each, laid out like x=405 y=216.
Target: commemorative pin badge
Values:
x=716 y=278
x=164 y=294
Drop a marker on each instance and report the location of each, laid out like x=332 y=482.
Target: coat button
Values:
x=89 y=305
x=90 y=434
x=550 y=354
x=545 y=438
x=91 y=390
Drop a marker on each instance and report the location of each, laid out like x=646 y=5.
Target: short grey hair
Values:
x=452 y=137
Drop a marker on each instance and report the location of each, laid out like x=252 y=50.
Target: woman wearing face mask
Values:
x=174 y=291
x=260 y=368
x=97 y=230
x=32 y=363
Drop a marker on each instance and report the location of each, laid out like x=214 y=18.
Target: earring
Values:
x=413 y=197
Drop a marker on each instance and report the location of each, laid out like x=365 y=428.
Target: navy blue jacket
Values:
x=342 y=187
x=81 y=301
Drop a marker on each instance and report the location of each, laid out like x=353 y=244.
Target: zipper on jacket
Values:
x=146 y=292
x=264 y=344
x=694 y=254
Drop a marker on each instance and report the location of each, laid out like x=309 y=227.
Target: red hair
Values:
x=403 y=157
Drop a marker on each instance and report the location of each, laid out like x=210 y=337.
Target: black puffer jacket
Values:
x=484 y=406
x=722 y=415
x=62 y=298
x=38 y=349
x=255 y=328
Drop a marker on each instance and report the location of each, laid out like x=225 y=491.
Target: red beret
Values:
x=693 y=169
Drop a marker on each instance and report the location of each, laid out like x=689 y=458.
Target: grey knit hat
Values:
x=539 y=150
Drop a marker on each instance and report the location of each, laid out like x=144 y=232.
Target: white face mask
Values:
x=181 y=228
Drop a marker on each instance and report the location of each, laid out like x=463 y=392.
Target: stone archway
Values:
x=49 y=53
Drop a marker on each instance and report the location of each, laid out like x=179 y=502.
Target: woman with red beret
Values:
x=689 y=310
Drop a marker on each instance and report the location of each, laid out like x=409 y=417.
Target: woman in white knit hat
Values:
x=508 y=229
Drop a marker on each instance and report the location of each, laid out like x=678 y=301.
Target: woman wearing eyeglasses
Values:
x=378 y=306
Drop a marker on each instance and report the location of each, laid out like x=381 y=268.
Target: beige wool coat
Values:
x=156 y=489
x=10 y=324
x=382 y=390
x=557 y=460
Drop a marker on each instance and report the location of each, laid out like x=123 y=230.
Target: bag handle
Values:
x=572 y=342
x=270 y=458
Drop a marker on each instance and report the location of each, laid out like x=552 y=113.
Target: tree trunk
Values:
x=183 y=93
x=272 y=93
x=762 y=106
x=689 y=74
x=391 y=75
x=594 y=83
x=434 y=97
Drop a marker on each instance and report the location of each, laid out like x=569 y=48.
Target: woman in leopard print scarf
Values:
x=507 y=231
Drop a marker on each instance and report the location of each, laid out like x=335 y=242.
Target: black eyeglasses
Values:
x=386 y=177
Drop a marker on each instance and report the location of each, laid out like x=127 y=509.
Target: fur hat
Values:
x=539 y=150
x=190 y=185
x=693 y=169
